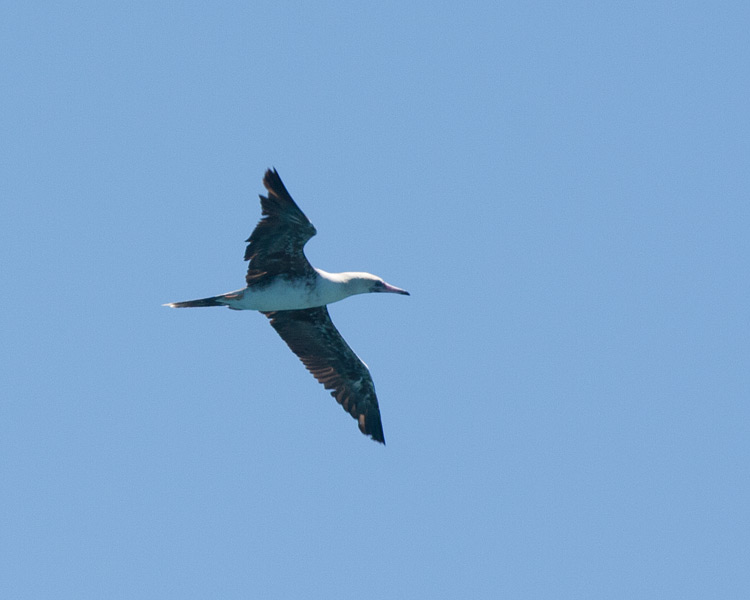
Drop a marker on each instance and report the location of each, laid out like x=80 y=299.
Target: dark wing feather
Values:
x=313 y=338
x=276 y=244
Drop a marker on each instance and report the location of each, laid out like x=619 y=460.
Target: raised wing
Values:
x=311 y=335
x=276 y=244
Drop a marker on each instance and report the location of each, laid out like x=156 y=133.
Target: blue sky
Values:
x=563 y=188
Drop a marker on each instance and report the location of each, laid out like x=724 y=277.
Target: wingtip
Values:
x=372 y=427
x=271 y=178
x=273 y=184
x=377 y=433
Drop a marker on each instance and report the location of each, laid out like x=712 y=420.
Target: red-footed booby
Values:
x=285 y=287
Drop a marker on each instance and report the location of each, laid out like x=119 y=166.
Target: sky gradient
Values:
x=562 y=187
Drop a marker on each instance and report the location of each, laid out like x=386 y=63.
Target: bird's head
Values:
x=365 y=283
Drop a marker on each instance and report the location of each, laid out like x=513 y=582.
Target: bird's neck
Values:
x=348 y=283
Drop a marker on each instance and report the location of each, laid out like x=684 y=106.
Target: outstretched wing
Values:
x=311 y=335
x=276 y=244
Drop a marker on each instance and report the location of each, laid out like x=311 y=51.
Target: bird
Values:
x=293 y=295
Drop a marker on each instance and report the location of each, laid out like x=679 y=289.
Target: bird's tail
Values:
x=212 y=301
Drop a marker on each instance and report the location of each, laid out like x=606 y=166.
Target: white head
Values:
x=365 y=283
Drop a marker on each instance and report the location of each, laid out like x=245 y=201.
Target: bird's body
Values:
x=283 y=285
x=290 y=293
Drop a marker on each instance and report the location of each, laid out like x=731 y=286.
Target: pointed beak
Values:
x=393 y=289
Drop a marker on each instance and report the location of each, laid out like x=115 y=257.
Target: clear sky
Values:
x=564 y=188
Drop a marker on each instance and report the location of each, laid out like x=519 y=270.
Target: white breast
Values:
x=288 y=295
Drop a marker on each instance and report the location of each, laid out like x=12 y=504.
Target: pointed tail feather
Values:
x=212 y=301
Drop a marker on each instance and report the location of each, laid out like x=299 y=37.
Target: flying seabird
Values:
x=285 y=287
